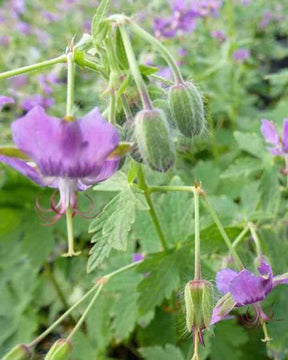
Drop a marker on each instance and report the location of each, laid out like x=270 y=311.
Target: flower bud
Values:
x=187 y=109
x=19 y=352
x=60 y=350
x=198 y=296
x=153 y=138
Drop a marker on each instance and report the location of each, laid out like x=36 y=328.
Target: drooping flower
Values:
x=65 y=155
x=270 y=133
x=244 y=288
x=240 y=55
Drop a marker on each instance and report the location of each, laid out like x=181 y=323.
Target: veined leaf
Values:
x=169 y=352
x=113 y=225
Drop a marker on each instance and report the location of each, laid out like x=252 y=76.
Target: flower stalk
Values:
x=70 y=85
x=69 y=223
x=197 y=273
x=34 y=67
x=146 y=101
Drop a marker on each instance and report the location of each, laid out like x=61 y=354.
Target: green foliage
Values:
x=169 y=352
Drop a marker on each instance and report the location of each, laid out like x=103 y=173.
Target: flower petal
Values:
x=222 y=309
x=285 y=136
x=269 y=132
x=23 y=168
x=5 y=100
x=224 y=278
x=66 y=149
x=265 y=269
x=247 y=288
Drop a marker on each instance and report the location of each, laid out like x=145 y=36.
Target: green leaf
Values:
x=147 y=70
x=120 y=51
x=100 y=14
x=169 y=352
x=165 y=271
x=242 y=167
x=269 y=190
x=117 y=182
x=227 y=341
x=113 y=225
x=251 y=143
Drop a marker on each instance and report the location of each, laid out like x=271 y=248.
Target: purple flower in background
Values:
x=245 y=2
x=240 y=55
x=63 y=154
x=18 y=81
x=267 y=18
x=4 y=40
x=18 y=6
x=5 y=100
x=24 y=28
x=245 y=288
x=138 y=257
x=270 y=133
x=29 y=103
x=208 y=8
x=218 y=34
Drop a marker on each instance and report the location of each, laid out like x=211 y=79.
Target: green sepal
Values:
x=60 y=350
x=11 y=151
x=122 y=149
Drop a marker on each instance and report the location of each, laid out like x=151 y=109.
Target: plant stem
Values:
x=224 y=234
x=104 y=279
x=146 y=101
x=38 y=66
x=255 y=238
x=240 y=236
x=197 y=272
x=143 y=185
x=62 y=317
x=71 y=251
x=162 y=49
x=70 y=85
x=85 y=313
x=171 y=188
x=196 y=346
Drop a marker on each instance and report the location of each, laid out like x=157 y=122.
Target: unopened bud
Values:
x=154 y=140
x=19 y=352
x=60 y=350
x=187 y=109
x=198 y=302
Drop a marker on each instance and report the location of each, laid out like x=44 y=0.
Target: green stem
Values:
x=143 y=185
x=146 y=101
x=62 y=317
x=171 y=188
x=85 y=313
x=224 y=234
x=71 y=251
x=162 y=49
x=104 y=279
x=197 y=273
x=255 y=238
x=240 y=237
x=126 y=108
x=70 y=85
x=196 y=346
x=35 y=67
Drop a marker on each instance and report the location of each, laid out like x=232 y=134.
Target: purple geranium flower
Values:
x=5 y=100
x=240 y=55
x=270 y=133
x=36 y=100
x=67 y=155
x=244 y=288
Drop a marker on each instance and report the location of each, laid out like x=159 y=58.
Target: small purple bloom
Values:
x=18 y=81
x=4 y=40
x=219 y=34
x=5 y=100
x=240 y=55
x=138 y=257
x=35 y=100
x=24 y=28
x=270 y=133
x=67 y=155
x=244 y=288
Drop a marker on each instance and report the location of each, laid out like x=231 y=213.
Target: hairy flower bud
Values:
x=198 y=296
x=153 y=138
x=187 y=109
x=61 y=350
x=19 y=352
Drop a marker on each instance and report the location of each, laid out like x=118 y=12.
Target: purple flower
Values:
x=244 y=288
x=4 y=40
x=240 y=55
x=219 y=34
x=208 y=7
x=67 y=155
x=267 y=18
x=5 y=100
x=270 y=133
x=138 y=257
x=30 y=102
x=24 y=28
x=18 y=81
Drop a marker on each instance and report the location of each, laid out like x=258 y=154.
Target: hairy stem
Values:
x=146 y=101
x=197 y=272
x=143 y=185
x=70 y=86
x=255 y=239
x=35 y=67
